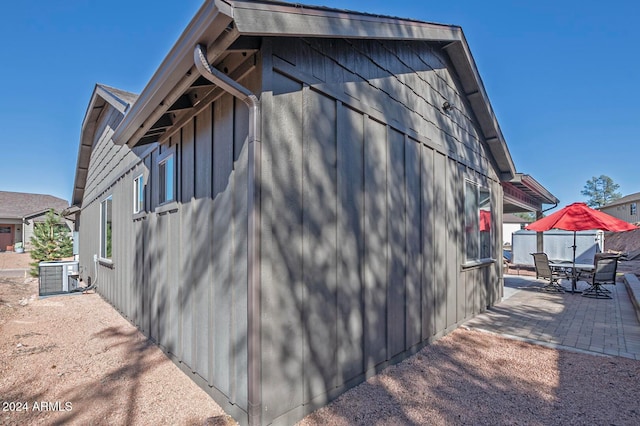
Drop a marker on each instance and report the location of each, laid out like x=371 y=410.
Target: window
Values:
x=167 y=174
x=106 y=228
x=138 y=194
x=477 y=222
x=633 y=209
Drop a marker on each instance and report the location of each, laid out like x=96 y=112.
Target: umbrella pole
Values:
x=574 y=274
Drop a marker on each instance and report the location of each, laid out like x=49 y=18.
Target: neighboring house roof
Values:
x=222 y=25
x=512 y=218
x=624 y=200
x=102 y=96
x=18 y=205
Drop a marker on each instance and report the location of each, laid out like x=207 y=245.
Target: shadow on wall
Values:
x=361 y=235
x=356 y=269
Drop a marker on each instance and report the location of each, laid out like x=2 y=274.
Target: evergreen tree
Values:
x=601 y=191
x=50 y=241
x=530 y=216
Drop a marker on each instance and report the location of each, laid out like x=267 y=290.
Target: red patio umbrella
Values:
x=579 y=217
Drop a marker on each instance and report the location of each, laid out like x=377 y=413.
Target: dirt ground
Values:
x=11 y=260
x=623 y=242
x=74 y=360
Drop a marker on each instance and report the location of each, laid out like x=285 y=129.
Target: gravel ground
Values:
x=475 y=378
x=90 y=366
x=75 y=360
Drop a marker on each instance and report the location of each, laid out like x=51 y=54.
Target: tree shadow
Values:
x=78 y=392
x=117 y=381
x=362 y=236
x=361 y=239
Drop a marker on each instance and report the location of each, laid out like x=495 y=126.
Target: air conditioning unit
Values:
x=58 y=277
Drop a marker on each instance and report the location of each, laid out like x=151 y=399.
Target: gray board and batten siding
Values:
x=179 y=270
x=362 y=242
x=362 y=201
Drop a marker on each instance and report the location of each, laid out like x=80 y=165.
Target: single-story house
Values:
x=625 y=208
x=299 y=197
x=19 y=212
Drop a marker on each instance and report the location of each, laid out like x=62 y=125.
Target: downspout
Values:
x=24 y=243
x=254 y=360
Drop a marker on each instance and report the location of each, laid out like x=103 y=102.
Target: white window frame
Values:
x=167 y=183
x=478 y=243
x=106 y=228
x=138 y=194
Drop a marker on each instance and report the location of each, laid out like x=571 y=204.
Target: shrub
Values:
x=50 y=241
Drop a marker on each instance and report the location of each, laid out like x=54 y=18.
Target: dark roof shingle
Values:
x=17 y=205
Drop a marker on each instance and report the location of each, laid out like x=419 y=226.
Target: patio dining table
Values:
x=572 y=271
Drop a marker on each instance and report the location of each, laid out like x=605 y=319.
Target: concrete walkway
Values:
x=565 y=321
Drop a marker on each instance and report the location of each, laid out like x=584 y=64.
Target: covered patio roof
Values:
x=524 y=194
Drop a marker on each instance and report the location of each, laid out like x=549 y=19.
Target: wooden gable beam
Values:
x=183 y=102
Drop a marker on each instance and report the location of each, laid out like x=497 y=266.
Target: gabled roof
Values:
x=18 y=205
x=224 y=25
x=102 y=96
x=624 y=200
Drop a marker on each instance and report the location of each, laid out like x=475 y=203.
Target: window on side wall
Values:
x=633 y=209
x=167 y=179
x=477 y=222
x=138 y=194
x=106 y=228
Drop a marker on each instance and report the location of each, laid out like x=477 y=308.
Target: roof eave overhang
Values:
x=100 y=98
x=632 y=198
x=177 y=72
x=524 y=193
x=535 y=186
x=465 y=65
x=311 y=22
x=268 y=18
x=296 y=20
x=36 y=214
x=96 y=104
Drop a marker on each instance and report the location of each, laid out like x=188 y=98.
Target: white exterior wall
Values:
x=508 y=229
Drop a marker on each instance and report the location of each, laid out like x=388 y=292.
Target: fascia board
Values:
x=119 y=104
x=540 y=190
x=465 y=66
x=275 y=19
x=100 y=98
x=85 y=148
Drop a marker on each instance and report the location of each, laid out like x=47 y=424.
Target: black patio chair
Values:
x=604 y=272
x=544 y=271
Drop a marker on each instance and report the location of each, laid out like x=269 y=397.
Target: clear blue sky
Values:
x=562 y=77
